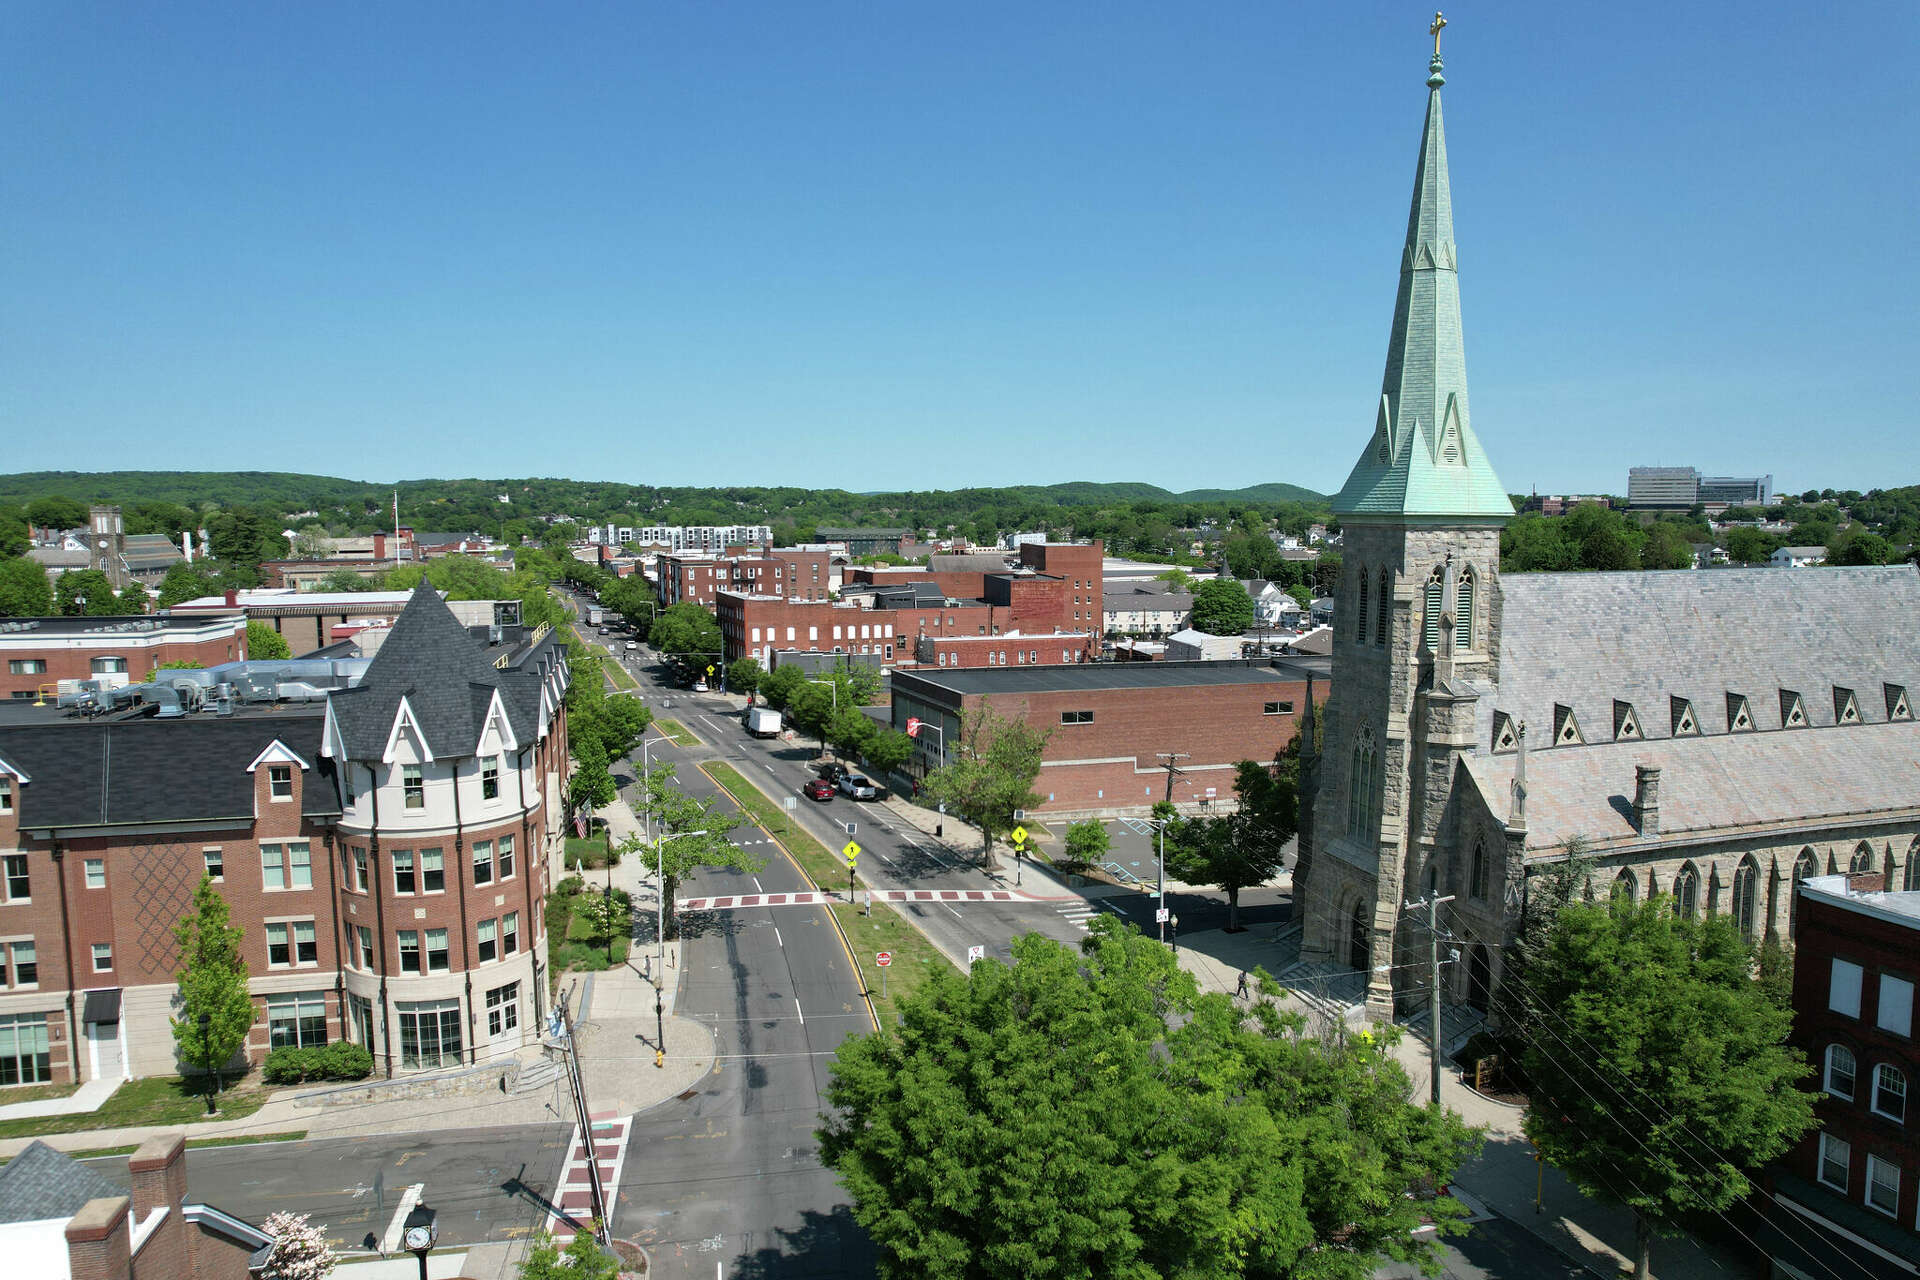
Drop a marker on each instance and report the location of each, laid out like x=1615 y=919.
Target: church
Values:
x=1711 y=735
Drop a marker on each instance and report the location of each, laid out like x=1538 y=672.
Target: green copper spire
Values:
x=1424 y=459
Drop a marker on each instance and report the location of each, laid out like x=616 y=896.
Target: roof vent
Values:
x=1739 y=715
x=1626 y=725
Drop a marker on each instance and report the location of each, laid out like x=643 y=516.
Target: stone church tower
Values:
x=1418 y=616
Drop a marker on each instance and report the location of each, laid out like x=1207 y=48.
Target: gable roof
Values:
x=41 y=1184
x=441 y=672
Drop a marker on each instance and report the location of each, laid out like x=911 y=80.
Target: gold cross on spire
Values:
x=1439 y=21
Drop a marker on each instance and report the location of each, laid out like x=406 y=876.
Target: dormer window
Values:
x=1685 y=723
x=1504 y=737
x=1739 y=715
x=1897 y=707
x=1626 y=725
x=1566 y=729
x=280 y=781
x=1793 y=714
x=1845 y=710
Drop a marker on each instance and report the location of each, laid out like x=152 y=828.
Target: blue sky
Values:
x=914 y=245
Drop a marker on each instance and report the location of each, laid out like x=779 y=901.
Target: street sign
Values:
x=884 y=959
x=1019 y=835
x=851 y=852
x=710 y=672
x=913 y=726
x=1160 y=916
x=976 y=953
x=1211 y=793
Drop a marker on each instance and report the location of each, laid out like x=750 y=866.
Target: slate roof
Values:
x=1586 y=639
x=149 y=771
x=41 y=1184
x=1093 y=676
x=443 y=674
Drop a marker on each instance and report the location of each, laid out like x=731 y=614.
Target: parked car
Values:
x=831 y=772
x=699 y=686
x=605 y=632
x=819 y=789
x=633 y=646
x=858 y=786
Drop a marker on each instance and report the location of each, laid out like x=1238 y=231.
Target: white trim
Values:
x=278 y=752
x=404 y=718
x=205 y=1215
x=502 y=726
x=143 y=1231
x=13 y=771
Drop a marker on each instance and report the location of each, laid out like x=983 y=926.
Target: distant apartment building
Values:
x=712 y=538
x=1143 y=609
x=1736 y=491
x=865 y=542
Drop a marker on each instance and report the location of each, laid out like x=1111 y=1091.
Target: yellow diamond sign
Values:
x=852 y=852
x=1019 y=835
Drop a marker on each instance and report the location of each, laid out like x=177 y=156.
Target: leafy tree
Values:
x=686 y=632
x=1606 y=549
x=591 y=785
x=1094 y=1115
x=672 y=811
x=57 y=512
x=888 y=751
x=989 y=773
x=89 y=592
x=310 y=542
x=1660 y=1070
x=583 y=1259
x=850 y=731
x=14 y=536
x=1177 y=578
x=241 y=540
x=1666 y=548
x=744 y=676
x=184 y=582
x=1750 y=546
x=300 y=1250
x=343 y=580
x=1860 y=547
x=1088 y=842
x=1244 y=848
x=1222 y=607
x=213 y=981
x=266 y=644
x=24 y=590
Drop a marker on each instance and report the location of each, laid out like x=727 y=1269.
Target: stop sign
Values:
x=883 y=959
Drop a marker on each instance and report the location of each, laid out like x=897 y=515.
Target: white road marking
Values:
x=756 y=885
x=797 y=1009
x=390 y=1242
x=956 y=914
x=768 y=768
x=776 y=937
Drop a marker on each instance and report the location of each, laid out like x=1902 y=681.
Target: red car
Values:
x=819 y=789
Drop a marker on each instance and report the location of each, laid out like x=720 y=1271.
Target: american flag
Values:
x=580 y=825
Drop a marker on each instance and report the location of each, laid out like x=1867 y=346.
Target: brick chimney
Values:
x=1646 y=798
x=159 y=1175
x=98 y=1246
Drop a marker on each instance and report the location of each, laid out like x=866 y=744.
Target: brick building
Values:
x=41 y=653
x=1109 y=722
x=1855 y=1180
x=383 y=854
x=786 y=572
x=1014 y=649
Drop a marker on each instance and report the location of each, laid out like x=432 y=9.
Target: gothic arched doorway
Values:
x=1359 y=953
x=1479 y=979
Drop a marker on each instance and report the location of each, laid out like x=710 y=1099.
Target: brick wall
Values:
x=1050 y=649
x=72 y=657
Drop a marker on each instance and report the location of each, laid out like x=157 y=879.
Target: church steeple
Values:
x=1423 y=458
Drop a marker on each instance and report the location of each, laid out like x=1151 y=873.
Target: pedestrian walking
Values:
x=1241 y=992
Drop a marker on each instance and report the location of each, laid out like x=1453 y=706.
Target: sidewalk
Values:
x=87 y=1097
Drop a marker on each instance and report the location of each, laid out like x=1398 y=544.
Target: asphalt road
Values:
x=485 y=1183
x=1497 y=1249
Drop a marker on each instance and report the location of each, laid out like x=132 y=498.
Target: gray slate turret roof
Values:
x=442 y=673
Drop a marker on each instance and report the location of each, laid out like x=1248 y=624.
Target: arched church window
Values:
x=1803 y=866
x=1463 y=611
x=1430 y=630
x=1911 y=881
x=1686 y=892
x=1360 y=631
x=1479 y=886
x=1624 y=887
x=1383 y=613
x=1746 y=891
x=1862 y=858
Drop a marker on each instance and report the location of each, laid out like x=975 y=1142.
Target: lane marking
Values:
x=756 y=885
x=390 y=1242
x=776 y=937
x=956 y=914
x=797 y=1009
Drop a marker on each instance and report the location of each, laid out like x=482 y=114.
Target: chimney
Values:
x=159 y=1174
x=98 y=1244
x=1646 y=798
x=186 y=542
x=233 y=599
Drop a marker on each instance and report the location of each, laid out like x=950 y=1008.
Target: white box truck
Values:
x=595 y=615
x=763 y=722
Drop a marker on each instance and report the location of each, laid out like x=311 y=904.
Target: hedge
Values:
x=337 y=1061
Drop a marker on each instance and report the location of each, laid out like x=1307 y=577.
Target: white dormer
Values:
x=406 y=731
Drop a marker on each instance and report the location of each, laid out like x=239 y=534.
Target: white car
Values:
x=633 y=646
x=699 y=686
x=858 y=786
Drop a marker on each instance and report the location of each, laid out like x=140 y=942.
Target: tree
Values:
x=185 y=581
x=1094 y=1115
x=1088 y=842
x=1222 y=607
x=583 y=1259
x=744 y=676
x=89 y=592
x=15 y=538
x=591 y=784
x=1244 y=848
x=989 y=773
x=1750 y=546
x=1176 y=578
x=343 y=580
x=266 y=644
x=1859 y=547
x=24 y=590
x=686 y=633
x=213 y=984
x=850 y=730
x=1665 y=548
x=57 y=511
x=1660 y=1070
x=888 y=751
x=310 y=542
x=300 y=1250
x=673 y=811
x=778 y=687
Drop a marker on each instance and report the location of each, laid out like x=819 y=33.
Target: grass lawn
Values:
x=885 y=930
x=593 y=848
x=156 y=1100
x=35 y=1093
x=681 y=735
x=237 y=1140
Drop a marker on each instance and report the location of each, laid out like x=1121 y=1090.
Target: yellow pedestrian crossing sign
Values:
x=1019 y=835
x=852 y=852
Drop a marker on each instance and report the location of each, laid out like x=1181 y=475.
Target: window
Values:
x=1430 y=629
x=26 y=964
x=1843 y=989
x=1862 y=858
x=403 y=871
x=489 y=941
x=6 y=794
x=1896 y=1005
x=24 y=1058
x=1625 y=888
x=1463 y=611
x=409 y=951
x=504 y=867
x=1277 y=709
x=413 y=786
x=490 y=778
x=1383 y=612
x=306 y=945
x=1839 y=1074
x=363 y=943
x=436 y=951
x=360 y=1015
x=96 y=872
x=14 y=865
x=510 y=933
x=359 y=880
x=1890 y=1092
x=27 y=666
x=216 y=864
x=103 y=957
x=300 y=865
x=1686 y=892
x=297 y=1020
x=1479 y=881
x=433 y=872
x=1883 y=1185
x=280 y=781
x=273 y=866
x=109 y=666
x=1076 y=717
x=1835 y=1156
x=292 y=942
x=483 y=862
x=503 y=1009
x=429 y=1033
x=1746 y=882
x=1360 y=615
x=279 y=946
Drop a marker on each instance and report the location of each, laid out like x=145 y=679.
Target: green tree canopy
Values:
x=264 y=643
x=1244 y=848
x=1088 y=842
x=686 y=633
x=1082 y=1116
x=213 y=981
x=744 y=676
x=57 y=511
x=24 y=589
x=186 y=581
x=1660 y=1069
x=673 y=812
x=590 y=785
x=888 y=750
x=990 y=771
x=1222 y=607
x=89 y=592
x=778 y=686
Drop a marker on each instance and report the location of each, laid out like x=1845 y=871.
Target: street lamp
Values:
x=206 y=1056
x=1174 y=934
x=660 y=934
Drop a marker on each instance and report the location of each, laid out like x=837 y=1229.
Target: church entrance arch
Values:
x=1359 y=952
x=1479 y=979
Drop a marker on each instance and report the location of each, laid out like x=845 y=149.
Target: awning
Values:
x=102 y=1006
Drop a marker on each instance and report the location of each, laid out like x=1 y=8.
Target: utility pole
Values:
x=1168 y=758
x=585 y=1121
x=1432 y=903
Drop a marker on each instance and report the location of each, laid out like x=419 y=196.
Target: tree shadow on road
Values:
x=824 y=1244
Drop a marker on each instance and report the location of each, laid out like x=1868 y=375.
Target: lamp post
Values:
x=660 y=933
x=206 y=1056
x=1173 y=934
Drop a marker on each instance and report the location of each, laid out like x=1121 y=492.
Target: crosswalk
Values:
x=1078 y=913
x=736 y=901
x=573 y=1201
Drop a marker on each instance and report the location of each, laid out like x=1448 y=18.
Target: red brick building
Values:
x=1080 y=565
x=1854 y=1182
x=1015 y=649
x=37 y=654
x=1108 y=723
x=784 y=572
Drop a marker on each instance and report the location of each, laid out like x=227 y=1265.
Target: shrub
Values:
x=290 y=1066
x=346 y=1061
x=337 y=1061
